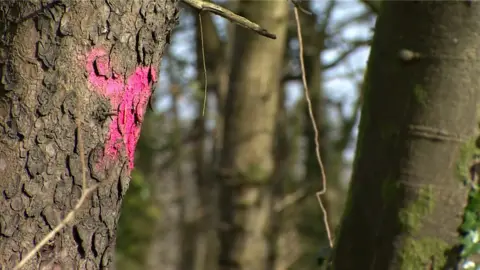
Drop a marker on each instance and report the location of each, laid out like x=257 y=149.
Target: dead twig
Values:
x=205 y=83
x=71 y=215
x=315 y=128
x=229 y=15
x=50 y=235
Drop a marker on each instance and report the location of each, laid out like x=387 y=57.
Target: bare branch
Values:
x=291 y=77
x=298 y=5
x=229 y=15
x=292 y=198
x=348 y=123
x=359 y=18
x=327 y=16
x=353 y=47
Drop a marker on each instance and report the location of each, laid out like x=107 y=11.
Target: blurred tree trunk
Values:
x=183 y=191
x=213 y=53
x=247 y=161
x=204 y=184
x=406 y=198
x=140 y=213
x=217 y=63
x=164 y=252
x=281 y=171
x=57 y=60
x=175 y=232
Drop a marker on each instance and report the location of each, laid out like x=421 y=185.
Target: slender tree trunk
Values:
x=213 y=51
x=62 y=62
x=168 y=245
x=280 y=174
x=247 y=162
x=406 y=197
x=165 y=249
x=218 y=62
x=186 y=190
x=164 y=252
x=186 y=243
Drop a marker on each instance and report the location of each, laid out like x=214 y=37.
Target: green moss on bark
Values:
x=420 y=95
x=467 y=152
x=411 y=216
x=423 y=253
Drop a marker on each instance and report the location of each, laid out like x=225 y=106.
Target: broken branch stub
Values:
x=229 y=15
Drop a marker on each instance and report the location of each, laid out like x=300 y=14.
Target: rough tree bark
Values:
x=246 y=163
x=406 y=198
x=63 y=60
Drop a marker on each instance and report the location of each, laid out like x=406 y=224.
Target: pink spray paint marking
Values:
x=129 y=98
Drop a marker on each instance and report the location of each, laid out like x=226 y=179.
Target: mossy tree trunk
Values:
x=406 y=197
x=247 y=158
x=60 y=62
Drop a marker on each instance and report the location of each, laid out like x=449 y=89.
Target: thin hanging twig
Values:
x=315 y=129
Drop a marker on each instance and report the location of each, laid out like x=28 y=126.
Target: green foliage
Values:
x=137 y=216
x=470 y=229
x=467 y=153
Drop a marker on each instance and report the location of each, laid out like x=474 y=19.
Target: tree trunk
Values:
x=165 y=248
x=89 y=60
x=214 y=58
x=406 y=197
x=246 y=163
x=282 y=149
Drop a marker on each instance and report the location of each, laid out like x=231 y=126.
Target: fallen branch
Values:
x=229 y=15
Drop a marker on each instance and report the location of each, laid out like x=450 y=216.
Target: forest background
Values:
x=168 y=218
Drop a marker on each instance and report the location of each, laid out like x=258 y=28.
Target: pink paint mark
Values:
x=130 y=99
